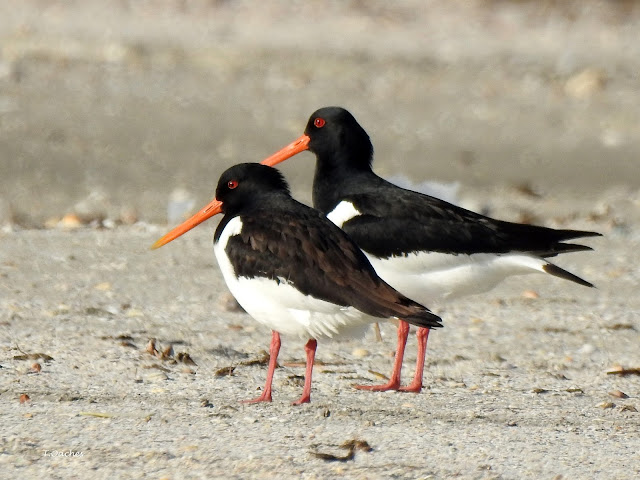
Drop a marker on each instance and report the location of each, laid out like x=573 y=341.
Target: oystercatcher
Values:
x=292 y=269
x=426 y=248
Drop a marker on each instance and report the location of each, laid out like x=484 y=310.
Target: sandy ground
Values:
x=531 y=106
x=517 y=387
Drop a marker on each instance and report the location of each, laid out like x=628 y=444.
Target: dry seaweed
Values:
x=350 y=445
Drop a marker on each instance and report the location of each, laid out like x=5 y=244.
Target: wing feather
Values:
x=405 y=221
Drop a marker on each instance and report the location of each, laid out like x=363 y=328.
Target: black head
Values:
x=338 y=139
x=247 y=184
x=241 y=187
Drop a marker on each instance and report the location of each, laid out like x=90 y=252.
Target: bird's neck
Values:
x=339 y=175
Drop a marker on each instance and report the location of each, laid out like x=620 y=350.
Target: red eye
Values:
x=319 y=122
x=231 y=184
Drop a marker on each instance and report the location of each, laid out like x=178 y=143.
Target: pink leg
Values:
x=310 y=349
x=394 y=381
x=416 y=386
x=274 y=349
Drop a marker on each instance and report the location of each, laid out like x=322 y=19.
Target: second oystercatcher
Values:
x=426 y=248
x=292 y=269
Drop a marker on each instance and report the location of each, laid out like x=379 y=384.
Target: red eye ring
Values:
x=231 y=184
x=319 y=122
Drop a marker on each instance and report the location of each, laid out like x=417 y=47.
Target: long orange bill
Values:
x=289 y=151
x=209 y=211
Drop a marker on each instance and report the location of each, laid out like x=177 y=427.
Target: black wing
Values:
x=396 y=221
x=302 y=247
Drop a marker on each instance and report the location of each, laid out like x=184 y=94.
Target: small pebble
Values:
x=157 y=376
x=618 y=394
x=587 y=349
x=360 y=352
x=151 y=347
x=128 y=215
x=92 y=208
x=585 y=84
x=51 y=222
x=70 y=222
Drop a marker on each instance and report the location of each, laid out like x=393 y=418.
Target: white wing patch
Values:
x=343 y=212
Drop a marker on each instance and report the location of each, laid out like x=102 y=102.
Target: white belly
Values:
x=283 y=308
x=429 y=277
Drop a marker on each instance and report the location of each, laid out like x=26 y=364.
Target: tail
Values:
x=519 y=264
x=559 y=248
x=383 y=301
x=562 y=235
x=426 y=319
x=561 y=273
x=542 y=241
x=416 y=314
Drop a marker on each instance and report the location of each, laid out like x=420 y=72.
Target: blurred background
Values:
x=123 y=110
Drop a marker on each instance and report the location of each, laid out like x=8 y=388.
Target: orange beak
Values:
x=209 y=211
x=289 y=151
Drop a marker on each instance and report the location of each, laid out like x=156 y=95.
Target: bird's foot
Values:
x=413 y=387
x=303 y=399
x=265 y=397
x=391 y=385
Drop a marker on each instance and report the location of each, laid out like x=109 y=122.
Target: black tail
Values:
x=384 y=301
x=559 y=248
x=561 y=273
x=562 y=235
x=541 y=241
x=424 y=319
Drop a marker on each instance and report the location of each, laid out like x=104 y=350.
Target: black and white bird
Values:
x=292 y=269
x=424 y=247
